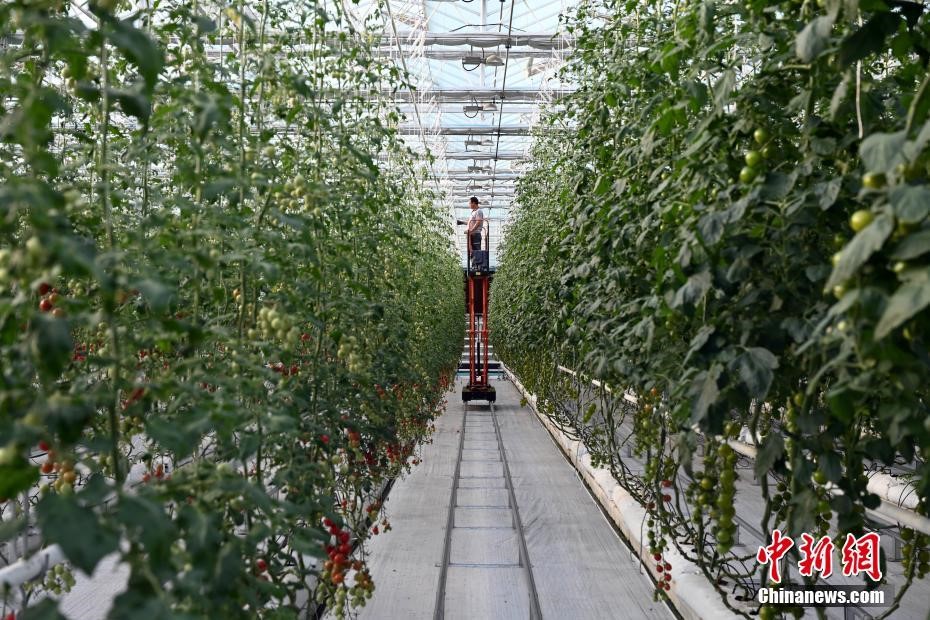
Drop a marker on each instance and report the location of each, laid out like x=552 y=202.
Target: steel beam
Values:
x=543 y=40
x=503 y=155
x=471 y=176
x=510 y=95
x=465 y=130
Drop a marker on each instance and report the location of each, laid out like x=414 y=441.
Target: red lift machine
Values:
x=478 y=276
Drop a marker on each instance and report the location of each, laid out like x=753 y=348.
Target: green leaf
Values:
x=839 y=96
x=17 y=477
x=772 y=449
x=911 y=202
x=204 y=24
x=705 y=391
x=139 y=49
x=910 y=298
x=814 y=38
x=133 y=102
x=693 y=290
x=828 y=192
x=755 y=366
x=66 y=416
x=863 y=245
x=219 y=187
x=77 y=530
x=913 y=245
x=712 y=225
x=51 y=345
x=881 y=152
x=869 y=39
x=134 y=604
x=777 y=185
x=43 y=610
x=156 y=295
x=175 y=435
x=923 y=137
x=724 y=87
x=147 y=522
x=699 y=340
x=829 y=463
x=706 y=16
x=842 y=404
x=11 y=527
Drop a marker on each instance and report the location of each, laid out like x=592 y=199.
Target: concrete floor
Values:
x=580 y=567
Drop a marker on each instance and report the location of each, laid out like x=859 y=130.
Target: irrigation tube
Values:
x=897 y=499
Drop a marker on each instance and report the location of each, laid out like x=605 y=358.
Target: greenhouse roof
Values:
x=482 y=70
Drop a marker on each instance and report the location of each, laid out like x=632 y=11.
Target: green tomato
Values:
x=873 y=180
x=747 y=174
x=9 y=454
x=820 y=477
x=33 y=420
x=761 y=135
x=860 y=219
x=753 y=158
x=34 y=247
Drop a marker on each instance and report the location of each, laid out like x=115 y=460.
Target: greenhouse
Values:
x=464 y=309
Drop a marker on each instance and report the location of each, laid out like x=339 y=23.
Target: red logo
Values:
x=816 y=556
x=773 y=553
x=859 y=555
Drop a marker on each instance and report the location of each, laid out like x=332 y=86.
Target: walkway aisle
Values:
x=580 y=568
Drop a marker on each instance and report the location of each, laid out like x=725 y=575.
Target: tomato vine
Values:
x=675 y=238
x=229 y=309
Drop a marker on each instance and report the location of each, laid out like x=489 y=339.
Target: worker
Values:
x=475 y=225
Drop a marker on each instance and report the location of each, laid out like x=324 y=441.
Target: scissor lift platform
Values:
x=477 y=288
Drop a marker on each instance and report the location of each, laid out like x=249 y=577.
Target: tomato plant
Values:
x=229 y=309
x=675 y=236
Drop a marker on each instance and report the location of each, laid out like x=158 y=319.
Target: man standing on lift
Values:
x=475 y=227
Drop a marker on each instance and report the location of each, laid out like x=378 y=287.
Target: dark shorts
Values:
x=475 y=240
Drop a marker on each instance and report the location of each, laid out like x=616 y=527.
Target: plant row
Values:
x=228 y=307
x=729 y=218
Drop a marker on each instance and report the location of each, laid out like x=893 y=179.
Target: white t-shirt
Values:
x=476 y=221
